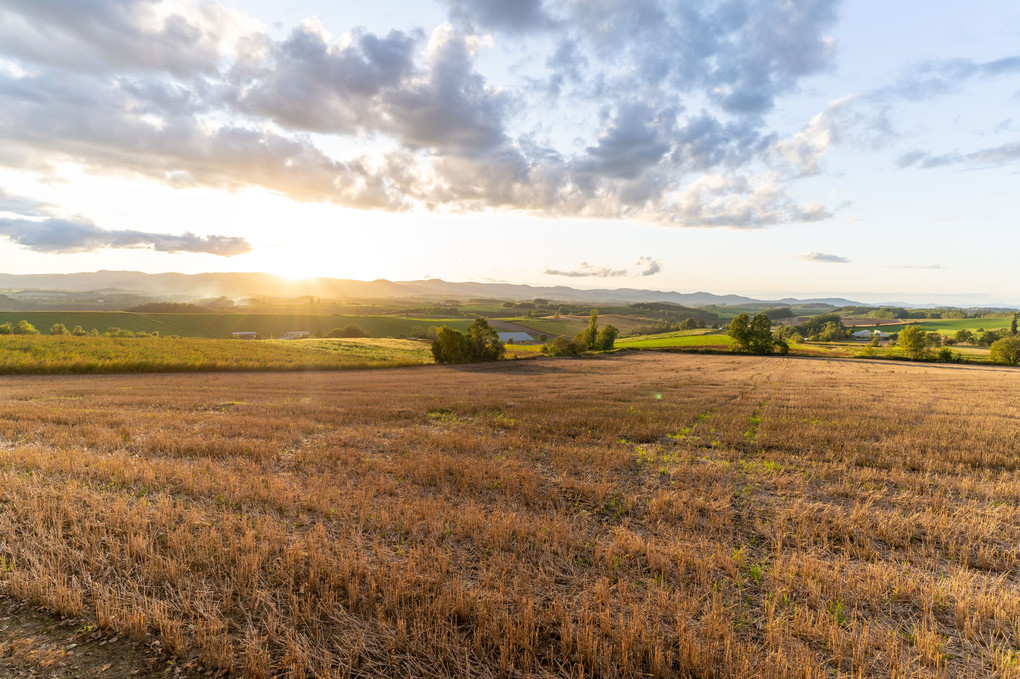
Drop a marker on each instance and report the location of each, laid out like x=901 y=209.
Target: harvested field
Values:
x=631 y=515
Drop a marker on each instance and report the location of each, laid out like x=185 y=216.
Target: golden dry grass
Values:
x=622 y=516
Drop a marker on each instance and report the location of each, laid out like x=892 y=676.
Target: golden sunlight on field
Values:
x=662 y=515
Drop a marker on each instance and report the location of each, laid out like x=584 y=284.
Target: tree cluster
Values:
x=589 y=339
x=755 y=335
x=20 y=328
x=593 y=339
x=479 y=344
x=824 y=328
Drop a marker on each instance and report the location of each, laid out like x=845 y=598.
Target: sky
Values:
x=771 y=148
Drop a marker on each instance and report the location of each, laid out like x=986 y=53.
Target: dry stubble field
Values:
x=641 y=514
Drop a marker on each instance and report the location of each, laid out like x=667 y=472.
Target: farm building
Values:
x=297 y=334
x=866 y=335
x=515 y=338
x=244 y=335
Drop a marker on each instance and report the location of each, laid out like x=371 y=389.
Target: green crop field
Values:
x=571 y=325
x=41 y=354
x=946 y=326
x=675 y=340
x=215 y=326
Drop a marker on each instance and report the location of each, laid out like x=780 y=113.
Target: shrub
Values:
x=947 y=355
x=1006 y=350
x=25 y=328
x=350 y=331
x=6 y=329
x=564 y=346
x=989 y=337
x=607 y=338
x=59 y=329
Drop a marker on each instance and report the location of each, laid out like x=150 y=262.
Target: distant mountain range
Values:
x=238 y=285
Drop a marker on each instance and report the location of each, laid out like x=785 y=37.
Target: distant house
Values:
x=244 y=335
x=297 y=334
x=515 y=338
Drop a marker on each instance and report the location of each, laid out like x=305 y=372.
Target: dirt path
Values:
x=35 y=643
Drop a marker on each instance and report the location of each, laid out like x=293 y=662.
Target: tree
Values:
x=761 y=335
x=914 y=341
x=484 y=342
x=590 y=335
x=450 y=346
x=986 y=338
x=59 y=329
x=964 y=336
x=754 y=335
x=1005 y=350
x=740 y=332
x=607 y=338
x=1012 y=325
x=78 y=331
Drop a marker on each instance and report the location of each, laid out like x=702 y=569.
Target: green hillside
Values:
x=221 y=325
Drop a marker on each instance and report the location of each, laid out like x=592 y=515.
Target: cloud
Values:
x=736 y=202
x=649 y=266
x=823 y=257
x=588 y=270
x=919 y=266
x=987 y=157
x=514 y=17
x=802 y=154
x=135 y=35
x=18 y=205
x=936 y=78
x=196 y=95
x=55 y=235
x=52 y=234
